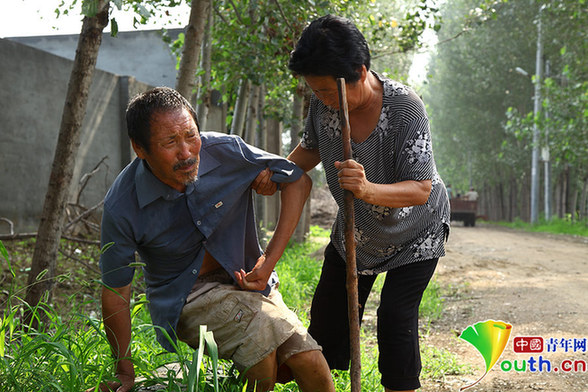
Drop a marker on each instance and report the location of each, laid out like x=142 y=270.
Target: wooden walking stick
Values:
x=352 y=292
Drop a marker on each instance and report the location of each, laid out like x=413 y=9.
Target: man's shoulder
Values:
x=123 y=186
x=212 y=138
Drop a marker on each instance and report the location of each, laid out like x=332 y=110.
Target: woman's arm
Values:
x=401 y=194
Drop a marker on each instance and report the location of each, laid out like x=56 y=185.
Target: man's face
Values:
x=174 y=148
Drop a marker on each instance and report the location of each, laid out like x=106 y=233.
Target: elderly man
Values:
x=185 y=206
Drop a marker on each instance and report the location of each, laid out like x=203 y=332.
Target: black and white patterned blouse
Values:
x=399 y=149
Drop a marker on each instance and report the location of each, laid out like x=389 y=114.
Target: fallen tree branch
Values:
x=83 y=215
x=10 y=224
x=24 y=236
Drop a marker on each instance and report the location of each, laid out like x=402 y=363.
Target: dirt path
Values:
x=536 y=282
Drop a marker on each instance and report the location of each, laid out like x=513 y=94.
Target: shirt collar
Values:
x=150 y=188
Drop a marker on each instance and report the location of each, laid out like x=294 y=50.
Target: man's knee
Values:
x=305 y=361
x=311 y=371
x=262 y=375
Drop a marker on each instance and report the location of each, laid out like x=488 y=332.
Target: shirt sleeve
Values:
x=118 y=251
x=309 y=140
x=414 y=154
x=283 y=169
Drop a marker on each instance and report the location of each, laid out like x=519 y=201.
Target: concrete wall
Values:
x=33 y=85
x=34 y=74
x=142 y=54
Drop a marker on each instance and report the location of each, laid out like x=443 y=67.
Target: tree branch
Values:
x=86 y=177
x=284 y=16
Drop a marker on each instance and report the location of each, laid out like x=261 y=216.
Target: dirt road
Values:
x=536 y=282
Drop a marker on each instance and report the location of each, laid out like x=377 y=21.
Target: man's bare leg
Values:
x=311 y=371
x=263 y=374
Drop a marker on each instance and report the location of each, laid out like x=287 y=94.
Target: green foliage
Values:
x=554 y=226
x=431 y=306
x=438 y=363
x=299 y=270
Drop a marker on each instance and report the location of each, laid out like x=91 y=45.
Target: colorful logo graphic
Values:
x=489 y=338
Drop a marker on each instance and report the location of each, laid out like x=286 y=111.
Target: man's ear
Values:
x=140 y=151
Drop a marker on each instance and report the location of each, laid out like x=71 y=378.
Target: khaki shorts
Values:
x=247 y=325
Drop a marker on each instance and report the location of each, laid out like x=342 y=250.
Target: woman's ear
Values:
x=364 y=73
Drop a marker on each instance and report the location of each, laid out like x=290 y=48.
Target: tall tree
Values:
x=40 y=279
x=186 y=82
x=205 y=93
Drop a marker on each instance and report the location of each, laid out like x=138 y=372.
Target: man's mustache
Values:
x=186 y=163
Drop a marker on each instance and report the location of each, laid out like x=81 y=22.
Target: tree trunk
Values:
x=558 y=193
x=240 y=108
x=186 y=84
x=565 y=191
x=512 y=199
x=583 y=200
x=303 y=227
x=503 y=208
x=252 y=115
x=572 y=194
x=68 y=142
x=273 y=145
x=205 y=91
x=262 y=126
x=526 y=199
x=262 y=142
x=573 y=205
x=297 y=115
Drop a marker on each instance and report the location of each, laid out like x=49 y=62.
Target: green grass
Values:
x=555 y=226
x=69 y=351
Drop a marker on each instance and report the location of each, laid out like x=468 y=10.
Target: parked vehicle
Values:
x=464 y=210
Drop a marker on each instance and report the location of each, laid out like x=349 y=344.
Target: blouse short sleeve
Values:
x=310 y=140
x=415 y=152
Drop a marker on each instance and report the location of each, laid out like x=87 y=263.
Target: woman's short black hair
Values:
x=142 y=107
x=331 y=45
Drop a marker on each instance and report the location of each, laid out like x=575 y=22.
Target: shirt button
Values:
x=198 y=223
x=195 y=271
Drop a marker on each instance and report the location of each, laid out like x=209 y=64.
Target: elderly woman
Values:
x=401 y=204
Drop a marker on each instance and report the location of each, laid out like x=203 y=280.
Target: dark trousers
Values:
x=398 y=339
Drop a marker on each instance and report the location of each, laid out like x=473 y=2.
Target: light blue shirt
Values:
x=170 y=230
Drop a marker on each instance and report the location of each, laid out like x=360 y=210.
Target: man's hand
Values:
x=352 y=178
x=263 y=184
x=257 y=278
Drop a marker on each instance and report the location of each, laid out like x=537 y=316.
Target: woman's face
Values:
x=325 y=89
